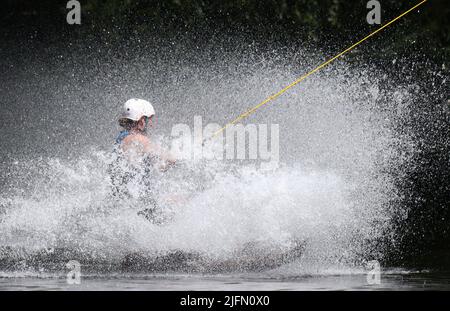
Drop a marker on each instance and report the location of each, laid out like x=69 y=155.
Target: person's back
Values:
x=137 y=157
x=133 y=142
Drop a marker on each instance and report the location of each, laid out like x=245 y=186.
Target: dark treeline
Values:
x=330 y=22
x=423 y=238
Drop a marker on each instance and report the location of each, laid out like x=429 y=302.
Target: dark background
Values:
x=330 y=22
x=30 y=27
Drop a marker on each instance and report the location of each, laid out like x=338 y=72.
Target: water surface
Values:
x=176 y=282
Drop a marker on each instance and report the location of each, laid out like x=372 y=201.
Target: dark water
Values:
x=391 y=281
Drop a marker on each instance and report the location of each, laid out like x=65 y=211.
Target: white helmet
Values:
x=134 y=109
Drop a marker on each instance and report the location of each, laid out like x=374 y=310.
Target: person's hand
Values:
x=165 y=165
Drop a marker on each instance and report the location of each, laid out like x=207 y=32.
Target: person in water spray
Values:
x=134 y=146
x=137 y=116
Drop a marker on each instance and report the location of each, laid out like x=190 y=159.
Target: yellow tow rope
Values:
x=252 y=110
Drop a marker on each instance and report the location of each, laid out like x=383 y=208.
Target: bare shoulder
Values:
x=137 y=140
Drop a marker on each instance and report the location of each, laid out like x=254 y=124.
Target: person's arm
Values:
x=167 y=158
x=142 y=145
